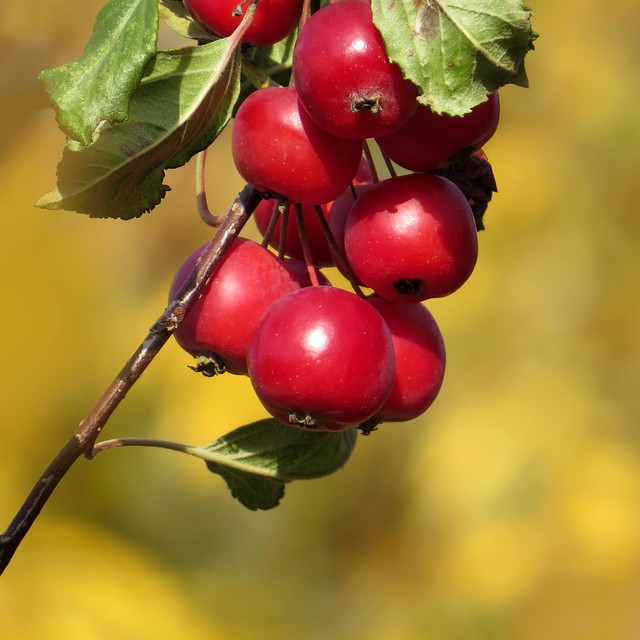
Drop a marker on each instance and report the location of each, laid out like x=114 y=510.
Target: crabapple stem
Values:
x=304 y=241
x=370 y=162
x=338 y=252
x=273 y=221
x=257 y=77
x=201 y=192
x=237 y=11
x=138 y=442
x=304 y=13
x=390 y=168
x=82 y=441
x=283 y=212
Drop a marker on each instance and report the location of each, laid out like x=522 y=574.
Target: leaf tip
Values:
x=50 y=200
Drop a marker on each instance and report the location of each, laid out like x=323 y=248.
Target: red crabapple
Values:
x=321 y=254
x=300 y=272
x=340 y=208
x=248 y=280
x=318 y=245
x=420 y=359
x=272 y=21
x=343 y=75
x=322 y=358
x=412 y=237
x=278 y=149
x=428 y=140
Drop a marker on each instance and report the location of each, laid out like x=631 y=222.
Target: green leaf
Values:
x=456 y=51
x=258 y=459
x=264 y=66
x=182 y=104
x=251 y=490
x=177 y=18
x=277 y=57
x=96 y=88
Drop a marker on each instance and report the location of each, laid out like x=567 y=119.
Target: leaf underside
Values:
x=456 y=51
x=257 y=460
x=252 y=490
x=178 y=19
x=181 y=105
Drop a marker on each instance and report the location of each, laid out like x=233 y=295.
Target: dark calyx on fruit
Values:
x=408 y=286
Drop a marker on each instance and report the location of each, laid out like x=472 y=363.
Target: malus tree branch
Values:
x=82 y=441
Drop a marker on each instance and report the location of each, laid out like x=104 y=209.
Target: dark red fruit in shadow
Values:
x=272 y=21
x=318 y=244
x=411 y=238
x=428 y=140
x=320 y=252
x=278 y=149
x=420 y=359
x=339 y=211
x=343 y=75
x=249 y=279
x=338 y=214
x=300 y=272
x=322 y=358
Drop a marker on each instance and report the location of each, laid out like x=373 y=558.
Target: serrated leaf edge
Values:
x=56 y=200
x=46 y=75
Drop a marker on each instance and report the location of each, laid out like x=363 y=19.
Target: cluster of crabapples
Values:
x=320 y=356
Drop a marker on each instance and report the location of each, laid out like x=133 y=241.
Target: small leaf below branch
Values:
x=258 y=459
x=251 y=490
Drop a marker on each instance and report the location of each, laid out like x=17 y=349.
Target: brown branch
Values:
x=82 y=441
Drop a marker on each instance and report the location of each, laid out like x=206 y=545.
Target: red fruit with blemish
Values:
x=429 y=140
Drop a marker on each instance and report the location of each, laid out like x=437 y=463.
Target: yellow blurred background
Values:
x=510 y=511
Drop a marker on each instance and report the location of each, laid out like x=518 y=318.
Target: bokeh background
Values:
x=510 y=511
